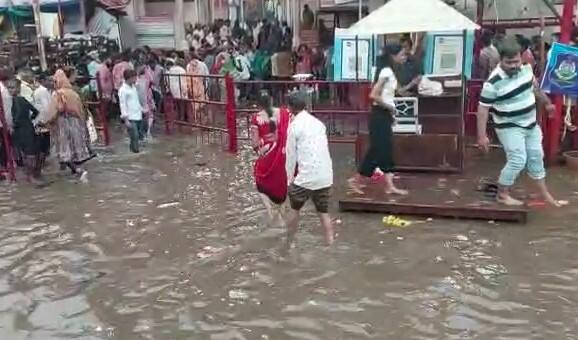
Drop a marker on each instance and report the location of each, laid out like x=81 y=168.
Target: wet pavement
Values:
x=173 y=244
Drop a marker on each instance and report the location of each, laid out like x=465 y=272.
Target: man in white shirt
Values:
x=43 y=93
x=41 y=101
x=131 y=110
x=7 y=109
x=6 y=98
x=26 y=88
x=178 y=85
x=308 y=150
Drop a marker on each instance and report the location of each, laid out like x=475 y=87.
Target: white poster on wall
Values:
x=355 y=59
x=448 y=55
x=49 y=25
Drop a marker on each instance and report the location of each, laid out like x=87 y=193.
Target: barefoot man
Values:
x=510 y=95
x=307 y=151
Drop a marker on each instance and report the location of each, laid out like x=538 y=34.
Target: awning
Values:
x=403 y=16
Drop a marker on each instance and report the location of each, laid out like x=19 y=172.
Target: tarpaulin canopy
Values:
x=402 y=16
x=17 y=12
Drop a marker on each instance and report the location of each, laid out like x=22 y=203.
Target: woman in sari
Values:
x=66 y=117
x=196 y=70
x=269 y=136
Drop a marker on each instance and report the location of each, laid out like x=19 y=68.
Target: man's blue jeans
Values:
x=523 y=149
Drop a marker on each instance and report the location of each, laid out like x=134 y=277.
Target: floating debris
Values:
x=208 y=251
x=237 y=294
x=394 y=221
x=462 y=238
x=168 y=205
x=455 y=192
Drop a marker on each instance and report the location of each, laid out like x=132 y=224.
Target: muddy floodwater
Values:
x=173 y=244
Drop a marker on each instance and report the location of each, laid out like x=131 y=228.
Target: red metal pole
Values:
x=555 y=126
x=230 y=109
x=6 y=141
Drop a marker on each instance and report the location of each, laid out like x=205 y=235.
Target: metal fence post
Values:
x=230 y=109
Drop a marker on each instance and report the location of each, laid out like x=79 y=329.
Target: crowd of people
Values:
x=48 y=108
x=533 y=51
x=44 y=114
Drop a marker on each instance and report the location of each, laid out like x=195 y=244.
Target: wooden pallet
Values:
x=493 y=213
x=452 y=196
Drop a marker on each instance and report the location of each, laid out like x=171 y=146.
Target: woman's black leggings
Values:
x=380 y=152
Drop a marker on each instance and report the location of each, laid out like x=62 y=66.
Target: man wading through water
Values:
x=510 y=94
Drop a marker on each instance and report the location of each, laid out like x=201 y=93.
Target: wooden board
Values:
x=441 y=210
x=451 y=196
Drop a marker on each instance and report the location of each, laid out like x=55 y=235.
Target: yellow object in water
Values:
x=394 y=221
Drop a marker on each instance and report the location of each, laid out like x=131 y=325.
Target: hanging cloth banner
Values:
x=561 y=76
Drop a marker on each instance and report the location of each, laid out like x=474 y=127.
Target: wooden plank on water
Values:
x=494 y=212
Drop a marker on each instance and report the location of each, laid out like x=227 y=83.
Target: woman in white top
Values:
x=380 y=152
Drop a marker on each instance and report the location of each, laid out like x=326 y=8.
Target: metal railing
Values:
x=205 y=105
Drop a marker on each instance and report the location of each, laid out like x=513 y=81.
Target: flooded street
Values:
x=173 y=244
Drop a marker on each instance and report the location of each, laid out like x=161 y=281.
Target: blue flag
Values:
x=561 y=76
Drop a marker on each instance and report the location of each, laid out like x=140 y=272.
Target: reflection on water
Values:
x=173 y=244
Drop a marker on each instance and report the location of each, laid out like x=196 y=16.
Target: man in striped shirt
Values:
x=510 y=95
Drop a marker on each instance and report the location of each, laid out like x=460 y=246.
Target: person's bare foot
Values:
x=508 y=200
x=554 y=202
x=356 y=186
x=396 y=191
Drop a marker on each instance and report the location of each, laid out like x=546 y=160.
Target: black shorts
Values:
x=298 y=196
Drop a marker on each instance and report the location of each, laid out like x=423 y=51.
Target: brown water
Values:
x=123 y=258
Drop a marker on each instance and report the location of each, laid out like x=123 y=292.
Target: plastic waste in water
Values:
x=394 y=221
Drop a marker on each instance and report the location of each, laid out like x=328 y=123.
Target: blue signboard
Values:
x=561 y=76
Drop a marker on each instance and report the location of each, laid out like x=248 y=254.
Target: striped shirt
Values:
x=511 y=100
